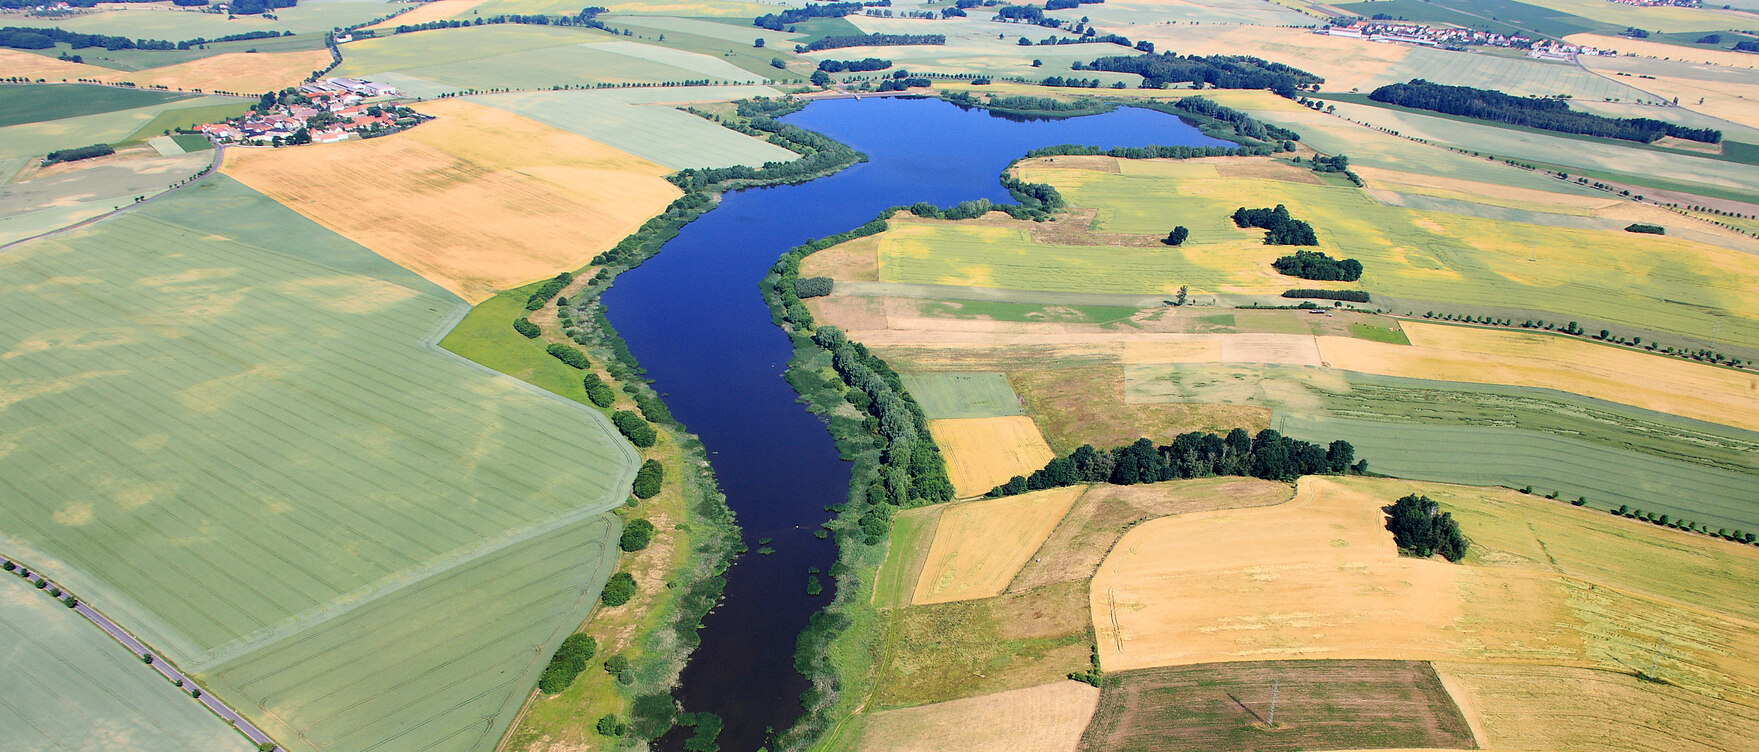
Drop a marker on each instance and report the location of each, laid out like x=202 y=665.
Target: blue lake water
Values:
x=695 y=318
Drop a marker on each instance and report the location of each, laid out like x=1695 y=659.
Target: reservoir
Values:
x=695 y=318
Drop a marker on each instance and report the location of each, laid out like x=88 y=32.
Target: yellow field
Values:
x=1546 y=584
x=1551 y=707
x=1048 y=718
x=237 y=72
x=1516 y=358
x=1344 y=63
x=477 y=201
x=437 y=10
x=980 y=545
x=1642 y=48
x=1737 y=102
x=983 y=453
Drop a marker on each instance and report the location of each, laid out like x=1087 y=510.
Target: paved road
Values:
x=165 y=668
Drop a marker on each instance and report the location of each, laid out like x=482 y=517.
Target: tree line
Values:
x=854 y=66
x=871 y=40
x=819 y=154
x=1244 y=124
x=1279 y=228
x=1220 y=71
x=1198 y=454
x=781 y=21
x=1317 y=265
x=1353 y=296
x=74 y=155
x=1542 y=113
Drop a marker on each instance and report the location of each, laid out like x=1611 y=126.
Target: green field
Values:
x=734 y=45
x=44 y=204
x=1002 y=311
x=912 y=534
x=235 y=372
x=1322 y=704
x=644 y=123
x=120 y=126
x=963 y=395
x=526 y=57
x=172 y=24
x=1519 y=76
x=950 y=650
x=65 y=685
x=31 y=104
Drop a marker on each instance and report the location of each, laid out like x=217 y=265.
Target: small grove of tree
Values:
x=1177 y=236
x=871 y=40
x=74 y=155
x=854 y=66
x=524 y=326
x=1279 y=227
x=652 y=408
x=634 y=428
x=547 y=290
x=609 y=725
x=618 y=590
x=1219 y=71
x=598 y=391
x=1317 y=265
x=1354 y=296
x=1646 y=229
x=1198 y=454
x=1544 y=113
x=569 y=660
x=568 y=354
x=636 y=535
x=813 y=287
x=648 y=479
x=1421 y=529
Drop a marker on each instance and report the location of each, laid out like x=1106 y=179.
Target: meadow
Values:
x=979 y=545
x=962 y=395
x=66 y=685
x=31 y=104
x=1321 y=705
x=38 y=137
x=273 y=382
x=1046 y=718
x=648 y=124
x=947 y=651
x=478 y=200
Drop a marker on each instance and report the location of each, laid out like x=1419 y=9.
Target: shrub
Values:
x=634 y=428
x=1421 y=529
x=813 y=287
x=610 y=726
x=569 y=660
x=636 y=536
x=647 y=480
x=597 y=390
x=1177 y=236
x=567 y=354
x=618 y=590
x=1646 y=229
x=524 y=326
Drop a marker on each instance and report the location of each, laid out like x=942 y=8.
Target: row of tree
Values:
x=854 y=66
x=1220 y=71
x=1532 y=112
x=1353 y=296
x=548 y=290
x=871 y=40
x=1198 y=454
x=74 y=155
x=1279 y=228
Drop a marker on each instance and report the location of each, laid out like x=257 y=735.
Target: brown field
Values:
x=1075 y=406
x=1046 y=718
x=946 y=651
x=1345 y=63
x=980 y=545
x=983 y=453
x=232 y=72
x=1320 y=705
x=436 y=10
x=1615 y=374
x=850 y=312
x=477 y=201
x=1079 y=543
x=854 y=261
x=1553 y=707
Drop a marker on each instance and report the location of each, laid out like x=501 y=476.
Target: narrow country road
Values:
x=165 y=667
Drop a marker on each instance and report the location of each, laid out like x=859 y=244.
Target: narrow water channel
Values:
x=695 y=318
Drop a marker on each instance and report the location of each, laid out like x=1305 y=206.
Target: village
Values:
x=1451 y=37
x=327 y=111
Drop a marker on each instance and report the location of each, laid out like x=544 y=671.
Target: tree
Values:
x=1421 y=529
x=758 y=44
x=648 y=479
x=524 y=326
x=634 y=428
x=821 y=79
x=636 y=536
x=1177 y=236
x=618 y=590
x=610 y=726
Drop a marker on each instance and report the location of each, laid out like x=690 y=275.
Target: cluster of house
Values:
x=1425 y=36
x=1658 y=3
x=331 y=110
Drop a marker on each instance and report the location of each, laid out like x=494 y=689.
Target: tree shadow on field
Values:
x=1242 y=705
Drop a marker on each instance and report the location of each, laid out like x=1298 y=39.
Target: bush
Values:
x=636 y=536
x=1354 y=296
x=648 y=479
x=610 y=726
x=570 y=659
x=618 y=590
x=1177 y=236
x=568 y=354
x=524 y=326
x=634 y=428
x=1421 y=529
x=1646 y=229
x=597 y=390
x=812 y=287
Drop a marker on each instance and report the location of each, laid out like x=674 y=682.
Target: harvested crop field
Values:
x=962 y=395
x=1103 y=514
x=1047 y=718
x=1552 y=707
x=983 y=453
x=980 y=545
x=235 y=72
x=437 y=10
x=1076 y=406
x=477 y=201
x=65 y=685
x=1320 y=705
x=945 y=651
x=271 y=381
